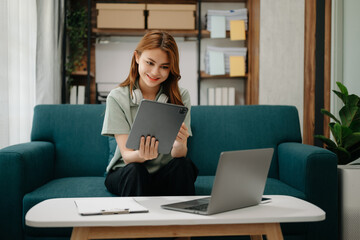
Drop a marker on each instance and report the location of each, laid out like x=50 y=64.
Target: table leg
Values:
x=80 y=233
x=273 y=231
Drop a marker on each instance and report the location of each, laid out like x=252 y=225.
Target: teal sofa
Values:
x=67 y=157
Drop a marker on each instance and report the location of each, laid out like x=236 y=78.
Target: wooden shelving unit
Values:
x=202 y=76
x=252 y=35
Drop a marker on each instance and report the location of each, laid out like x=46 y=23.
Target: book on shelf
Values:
x=221 y=96
x=77 y=94
x=218 y=27
x=232 y=14
x=224 y=96
x=218 y=96
x=237 y=30
x=231 y=95
x=211 y=57
x=211 y=96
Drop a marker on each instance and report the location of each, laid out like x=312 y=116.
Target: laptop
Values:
x=239 y=182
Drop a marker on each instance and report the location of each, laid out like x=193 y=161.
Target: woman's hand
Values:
x=180 y=145
x=148 y=148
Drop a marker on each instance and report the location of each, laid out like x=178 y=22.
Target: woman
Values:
x=154 y=75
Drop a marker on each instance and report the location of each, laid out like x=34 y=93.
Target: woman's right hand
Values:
x=148 y=148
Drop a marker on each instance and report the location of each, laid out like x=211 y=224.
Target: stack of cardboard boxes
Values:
x=146 y=16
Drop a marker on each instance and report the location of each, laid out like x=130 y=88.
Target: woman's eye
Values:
x=149 y=63
x=165 y=67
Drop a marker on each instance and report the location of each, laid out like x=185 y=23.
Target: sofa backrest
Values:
x=80 y=149
x=75 y=131
x=226 y=128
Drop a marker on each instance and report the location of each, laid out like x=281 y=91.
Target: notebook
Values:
x=239 y=182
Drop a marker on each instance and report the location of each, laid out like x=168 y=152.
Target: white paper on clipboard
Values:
x=110 y=205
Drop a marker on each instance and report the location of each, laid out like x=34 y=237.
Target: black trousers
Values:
x=176 y=178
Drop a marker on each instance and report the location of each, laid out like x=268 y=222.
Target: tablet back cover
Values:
x=160 y=120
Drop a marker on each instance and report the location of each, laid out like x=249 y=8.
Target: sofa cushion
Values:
x=63 y=188
x=276 y=187
x=203 y=185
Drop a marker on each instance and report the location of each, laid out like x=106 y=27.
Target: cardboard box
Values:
x=171 y=16
x=120 y=15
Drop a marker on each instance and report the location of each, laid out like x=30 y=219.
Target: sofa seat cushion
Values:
x=63 y=188
x=203 y=185
x=276 y=187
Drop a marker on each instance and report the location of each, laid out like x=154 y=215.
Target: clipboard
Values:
x=108 y=206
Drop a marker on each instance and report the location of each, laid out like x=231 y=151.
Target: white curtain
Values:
x=50 y=22
x=17 y=69
x=29 y=64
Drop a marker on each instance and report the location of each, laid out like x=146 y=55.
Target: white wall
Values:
x=281 y=74
x=351 y=54
x=345 y=50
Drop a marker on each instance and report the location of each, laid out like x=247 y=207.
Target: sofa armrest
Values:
x=307 y=168
x=23 y=168
x=312 y=170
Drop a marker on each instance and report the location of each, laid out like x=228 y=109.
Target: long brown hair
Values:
x=164 y=41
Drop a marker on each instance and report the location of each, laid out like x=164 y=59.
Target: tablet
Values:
x=159 y=120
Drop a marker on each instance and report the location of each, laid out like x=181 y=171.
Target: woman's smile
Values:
x=152 y=78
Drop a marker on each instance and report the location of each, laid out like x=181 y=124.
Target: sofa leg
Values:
x=256 y=237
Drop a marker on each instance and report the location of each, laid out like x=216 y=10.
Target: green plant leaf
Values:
x=325 y=112
x=345 y=132
x=340 y=95
x=352 y=100
x=347 y=114
x=327 y=141
x=336 y=132
x=355 y=124
x=342 y=88
x=352 y=140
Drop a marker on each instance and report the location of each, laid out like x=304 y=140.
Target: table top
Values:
x=62 y=212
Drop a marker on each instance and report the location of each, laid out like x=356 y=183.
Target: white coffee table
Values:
x=263 y=219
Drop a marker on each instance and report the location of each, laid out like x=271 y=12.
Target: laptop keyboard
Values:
x=202 y=207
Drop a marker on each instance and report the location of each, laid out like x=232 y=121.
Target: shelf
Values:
x=205 y=75
x=141 y=32
x=82 y=73
x=230 y=1
x=152 y=1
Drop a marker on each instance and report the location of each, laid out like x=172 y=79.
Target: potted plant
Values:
x=346 y=130
x=76 y=30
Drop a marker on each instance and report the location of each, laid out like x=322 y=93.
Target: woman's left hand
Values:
x=180 y=144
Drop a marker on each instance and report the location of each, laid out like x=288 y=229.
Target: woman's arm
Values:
x=180 y=145
x=148 y=149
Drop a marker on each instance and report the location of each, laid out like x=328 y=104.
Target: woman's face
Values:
x=154 y=68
